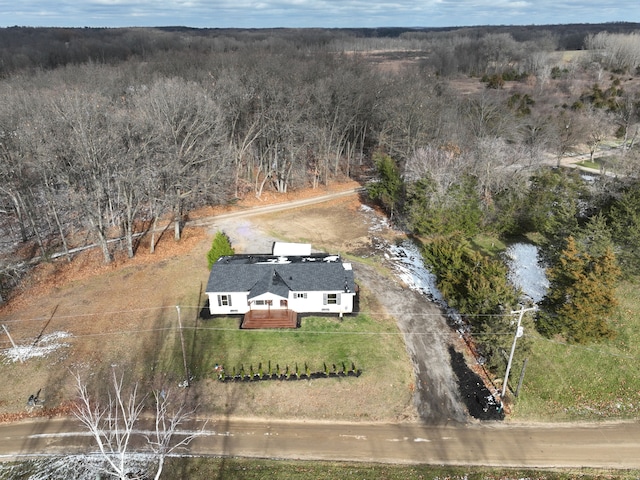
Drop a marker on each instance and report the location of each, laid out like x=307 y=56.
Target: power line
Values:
x=81 y=315
x=146 y=309
x=317 y=332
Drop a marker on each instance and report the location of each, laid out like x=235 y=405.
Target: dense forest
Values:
x=109 y=130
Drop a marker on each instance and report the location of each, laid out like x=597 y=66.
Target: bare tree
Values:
x=115 y=425
x=486 y=115
x=166 y=428
x=567 y=130
x=239 y=100
x=86 y=145
x=189 y=123
x=16 y=171
x=10 y=275
x=598 y=126
x=443 y=165
x=616 y=51
x=626 y=117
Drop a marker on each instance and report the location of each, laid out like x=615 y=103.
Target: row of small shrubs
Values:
x=287 y=373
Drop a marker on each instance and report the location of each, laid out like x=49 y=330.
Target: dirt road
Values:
x=491 y=444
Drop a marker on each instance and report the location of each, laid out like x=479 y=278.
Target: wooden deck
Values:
x=275 y=318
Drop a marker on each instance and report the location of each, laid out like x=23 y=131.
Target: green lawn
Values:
x=589 y=164
x=371 y=343
x=248 y=469
x=319 y=341
x=210 y=468
x=586 y=382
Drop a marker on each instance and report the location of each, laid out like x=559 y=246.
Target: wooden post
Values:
x=184 y=353
x=12 y=343
x=521 y=379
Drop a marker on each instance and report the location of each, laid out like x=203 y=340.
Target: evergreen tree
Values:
x=431 y=212
x=504 y=215
x=595 y=237
x=388 y=189
x=220 y=247
x=624 y=218
x=476 y=286
x=581 y=295
x=554 y=206
x=419 y=208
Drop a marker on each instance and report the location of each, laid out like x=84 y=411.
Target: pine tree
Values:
x=624 y=217
x=581 y=295
x=388 y=189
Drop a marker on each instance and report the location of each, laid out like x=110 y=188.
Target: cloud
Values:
x=312 y=13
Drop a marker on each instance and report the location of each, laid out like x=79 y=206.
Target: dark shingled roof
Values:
x=259 y=274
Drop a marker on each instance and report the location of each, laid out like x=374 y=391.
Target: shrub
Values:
x=220 y=247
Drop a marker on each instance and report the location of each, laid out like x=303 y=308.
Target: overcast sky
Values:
x=312 y=13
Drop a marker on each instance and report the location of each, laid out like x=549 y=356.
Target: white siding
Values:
x=316 y=303
x=237 y=303
x=261 y=302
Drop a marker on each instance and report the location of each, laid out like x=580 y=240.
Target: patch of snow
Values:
x=45 y=346
x=409 y=266
x=525 y=271
x=378 y=223
x=78 y=467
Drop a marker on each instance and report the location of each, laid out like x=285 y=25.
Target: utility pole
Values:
x=184 y=353
x=518 y=334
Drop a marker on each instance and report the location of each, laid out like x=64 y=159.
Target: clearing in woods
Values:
x=124 y=316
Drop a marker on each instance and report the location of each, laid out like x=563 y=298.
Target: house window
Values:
x=300 y=295
x=259 y=302
x=224 y=300
x=331 y=299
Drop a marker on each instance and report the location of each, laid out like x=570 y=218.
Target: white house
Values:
x=313 y=283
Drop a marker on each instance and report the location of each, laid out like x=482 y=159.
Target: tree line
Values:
x=27 y=48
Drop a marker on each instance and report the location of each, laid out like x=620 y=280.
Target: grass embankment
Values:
x=569 y=382
x=586 y=382
x=589 y=164
x=246 y=469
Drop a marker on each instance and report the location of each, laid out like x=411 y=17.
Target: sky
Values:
x=311 y=13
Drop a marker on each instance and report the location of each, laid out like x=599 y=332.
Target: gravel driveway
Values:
x=428 y=339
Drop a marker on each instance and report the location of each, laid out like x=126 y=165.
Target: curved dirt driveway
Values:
x=428 y=339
